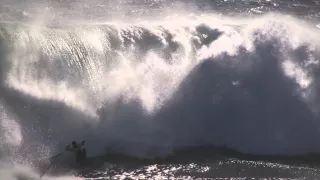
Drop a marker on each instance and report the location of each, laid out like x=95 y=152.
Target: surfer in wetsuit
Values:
x=79 y=150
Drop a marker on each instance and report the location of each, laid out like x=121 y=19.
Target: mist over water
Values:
x=148 y=87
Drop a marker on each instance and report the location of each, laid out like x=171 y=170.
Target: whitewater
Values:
x=135 y=80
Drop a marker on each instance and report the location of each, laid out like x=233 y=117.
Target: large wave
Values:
x=145 y=89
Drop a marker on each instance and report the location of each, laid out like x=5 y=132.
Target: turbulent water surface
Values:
x=160 y=89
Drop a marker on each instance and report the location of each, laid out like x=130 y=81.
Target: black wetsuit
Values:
x=81 y=155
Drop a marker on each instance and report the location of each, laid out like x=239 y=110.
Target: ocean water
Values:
x=160 y=89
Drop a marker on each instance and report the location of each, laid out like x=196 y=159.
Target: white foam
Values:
x=144 y=64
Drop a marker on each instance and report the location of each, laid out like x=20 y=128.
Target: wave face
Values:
x=145 y=89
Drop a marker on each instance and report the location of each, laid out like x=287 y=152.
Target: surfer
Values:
x=79 y=150
x=76 y=148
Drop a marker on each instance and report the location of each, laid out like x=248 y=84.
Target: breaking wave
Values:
x=146 y=89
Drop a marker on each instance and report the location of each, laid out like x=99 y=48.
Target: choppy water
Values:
x=143 y=80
